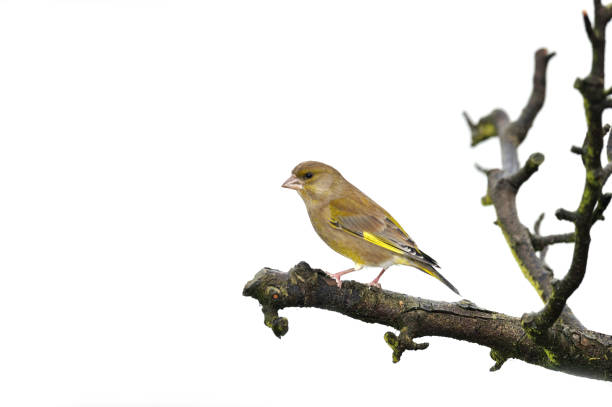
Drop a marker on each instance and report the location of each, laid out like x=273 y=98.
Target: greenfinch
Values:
x=354 y=225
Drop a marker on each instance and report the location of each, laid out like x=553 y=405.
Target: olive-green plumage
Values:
x=354 y=225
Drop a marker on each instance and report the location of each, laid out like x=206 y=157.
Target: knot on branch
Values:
x=275 y=290
x=402 y=342
x=499 y=358
x=279 y=325
x=577 y=150
x=270 y=295
x=591 y=89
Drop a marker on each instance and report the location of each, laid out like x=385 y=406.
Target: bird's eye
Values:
x=308 y=175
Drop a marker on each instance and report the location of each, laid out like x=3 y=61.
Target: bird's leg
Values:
x=375 y=282
x=337 y=276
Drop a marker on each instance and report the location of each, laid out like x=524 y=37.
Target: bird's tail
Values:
x=429 y=269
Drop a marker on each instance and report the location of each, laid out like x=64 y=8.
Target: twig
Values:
x=588 y=26
x=606 y=130
x=531 y=166
x=541 y=243
x=602 y=204
x=564 y=214
x=537 y=234
x=521 y=126
x=577 y=150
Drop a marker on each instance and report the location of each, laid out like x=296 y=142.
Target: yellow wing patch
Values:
x=373 y=239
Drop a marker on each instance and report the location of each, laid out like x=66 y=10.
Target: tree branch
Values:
x=607 y=170
x=536 y=234
x=521 y=126
x=593 y=93
x=577 y=150
x=577 y=352
x=564 y=214
x=516 y=132
x=606 y=130
x=502 y=187
x=588 y=26
x=541 y=242
x=602 y=205
x=531 y=166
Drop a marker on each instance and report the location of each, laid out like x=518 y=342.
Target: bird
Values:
x=354 y=225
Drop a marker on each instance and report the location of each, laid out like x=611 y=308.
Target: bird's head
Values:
x=315 y=181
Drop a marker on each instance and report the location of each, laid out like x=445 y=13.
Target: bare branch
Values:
x=588 y=26
x=538 y=224
x=605 y=172
x=503 y=196
x=482 y=169
x=607 y=12
x=499 y=359
x=609 y=144
x=602 y=204
x=577 y=150
x=531 y=166
x=536 y=230
x=511 y=135
x=403 y=341
x=592 y=90
x=521 y=126
x=577 y=352
x=503 y=185
x=542 y=242
x=564 y=214
x=517 y=130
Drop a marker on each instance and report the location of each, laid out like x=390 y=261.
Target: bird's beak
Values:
x=293 y=183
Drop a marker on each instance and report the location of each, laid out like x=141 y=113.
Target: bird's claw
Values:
x=376 y=285
x=335 y=277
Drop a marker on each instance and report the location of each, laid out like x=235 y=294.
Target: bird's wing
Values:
x=376 y=226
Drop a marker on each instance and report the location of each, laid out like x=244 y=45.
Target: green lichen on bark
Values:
x=524 y=269
x=499 y=357
x=488 y=126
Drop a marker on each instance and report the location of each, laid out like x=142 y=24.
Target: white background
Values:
x=142 y=148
